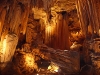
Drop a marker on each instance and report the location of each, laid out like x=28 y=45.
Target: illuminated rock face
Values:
x=35 y=22
x=15 y=17
x=54 y=20
x=7 y=49
x=25 y=63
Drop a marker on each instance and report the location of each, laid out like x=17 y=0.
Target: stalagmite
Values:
x=7 y=49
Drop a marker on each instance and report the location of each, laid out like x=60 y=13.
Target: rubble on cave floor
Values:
x=46 y=61
x=43 y=61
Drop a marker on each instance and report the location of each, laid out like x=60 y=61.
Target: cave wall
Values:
x=88 y=11
x=89 y=21
x=17 y=16
x=14 y=16
x=53 y=27
x=34 y=23
x=13 y=22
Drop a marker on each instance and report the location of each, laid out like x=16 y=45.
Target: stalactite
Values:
x=66 y=32
x=25 y=19
x=49 y=31
x=81 y=8
x=78 y=6
x=60 y=23
x=47 y=7
x=96 y=18
x=14 y=24
x=38 y=3
x=90 y=15
x=92 y=9
x=57 y=34
x=2 y=19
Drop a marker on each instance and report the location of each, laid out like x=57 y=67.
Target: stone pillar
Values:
x=7 y=49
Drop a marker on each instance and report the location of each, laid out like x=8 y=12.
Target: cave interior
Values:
x=49 y=37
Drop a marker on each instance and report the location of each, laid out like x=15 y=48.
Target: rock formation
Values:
x=36 y=36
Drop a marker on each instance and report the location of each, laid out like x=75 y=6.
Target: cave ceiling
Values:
x=49 y=9
x=63 y=5
x=52 y=7
x=17 y=16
